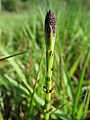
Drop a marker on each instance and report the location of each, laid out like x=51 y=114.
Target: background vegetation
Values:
x=22 y=28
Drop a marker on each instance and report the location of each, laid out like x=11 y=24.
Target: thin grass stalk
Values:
x=10 y=56
x=34 y=89
x=50 y=33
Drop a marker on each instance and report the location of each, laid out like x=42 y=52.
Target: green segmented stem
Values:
x=50 y=31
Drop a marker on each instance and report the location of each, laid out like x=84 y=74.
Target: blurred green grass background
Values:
x=22 y=28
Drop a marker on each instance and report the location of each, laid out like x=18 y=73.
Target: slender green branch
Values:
x=50 y=33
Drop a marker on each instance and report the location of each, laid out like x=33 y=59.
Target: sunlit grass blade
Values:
x=79 y=89
x=67 y=81
x=80 y=112
x=1 y=116
x=16 y=84
x=74 y=67
x=86 y=105
x=83 y=107
x=3 y=83
x=36 y=82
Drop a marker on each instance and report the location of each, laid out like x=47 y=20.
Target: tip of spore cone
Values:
x=50 y=23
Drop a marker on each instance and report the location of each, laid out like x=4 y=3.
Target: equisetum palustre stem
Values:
x=50 y=33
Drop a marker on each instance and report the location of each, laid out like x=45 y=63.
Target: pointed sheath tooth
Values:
x=50 y=24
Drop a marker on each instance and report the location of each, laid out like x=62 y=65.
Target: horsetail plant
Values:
x=50 y=33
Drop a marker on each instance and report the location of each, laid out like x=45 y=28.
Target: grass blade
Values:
x=34 y=90
x=22 y=76
x=74 y=67
x=66 y=81
x=1 y=117
x=85 y=112
x=10 y=56
x=80 y=83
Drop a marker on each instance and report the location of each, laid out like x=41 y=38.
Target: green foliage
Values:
x=9 y=5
